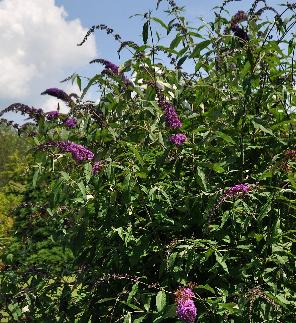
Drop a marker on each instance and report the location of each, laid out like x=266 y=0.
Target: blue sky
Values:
x=38 y=41
x=116 y=14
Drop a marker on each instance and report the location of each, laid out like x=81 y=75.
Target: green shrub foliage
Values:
x=181 y=176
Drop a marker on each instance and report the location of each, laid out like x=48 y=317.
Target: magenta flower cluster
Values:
x=52 y=115
x=178 y=139
x=97 y=167
x=57 y=93
x=79 y=152
x=70 y=122
x=237 y=189
x=186 y=310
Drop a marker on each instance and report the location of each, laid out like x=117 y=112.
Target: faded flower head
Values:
x=184 y=293
x=52 y=115
x=70 y=122
x=97 y=167
x=178 y=139
x=239 y=17
x=57 y=93
x=239 y=32
x=290 y=154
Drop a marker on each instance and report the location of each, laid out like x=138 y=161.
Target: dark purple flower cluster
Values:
x=79 y=152
x=178 y=139
x=57 y=93
x=237 y=189
x=97 y=167
x=239 y=32
x=111 y=68
x=170 y=114
x=70 y=122
x=186 y=309
x=52 y=115
x=33 y=113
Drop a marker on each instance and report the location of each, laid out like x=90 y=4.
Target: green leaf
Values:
x=160 y=22
x=82 y=189
x=199 y=47
x=225 y=137
x=260 y=127
x=145 y=32
x=206 y=287
x=35 y=177
x=221 y=262
x=230 y=307
x=201 y=178
x=181 y=61
x=78 y=81
x=218 y=168
x=176 y=41
x=160 y=300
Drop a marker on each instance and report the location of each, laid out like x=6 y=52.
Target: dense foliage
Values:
x=173 y=198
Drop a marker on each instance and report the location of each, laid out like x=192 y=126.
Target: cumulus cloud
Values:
x=38 y=49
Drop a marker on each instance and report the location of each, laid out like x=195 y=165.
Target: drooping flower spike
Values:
x=79 y=152
x=57 y=93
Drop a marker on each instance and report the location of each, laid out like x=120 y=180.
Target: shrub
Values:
x=176 y=192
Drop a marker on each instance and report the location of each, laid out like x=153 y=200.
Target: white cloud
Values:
x=38 y=49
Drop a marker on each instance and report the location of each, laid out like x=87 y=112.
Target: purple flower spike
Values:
x=178 y=139
x=52 y=115
x=58 y=93
x=109 y=66
x=70 y=122
x=79 y=152
x=186 y=311
x=97 y=167
x=170 y=114
x=237 y=189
